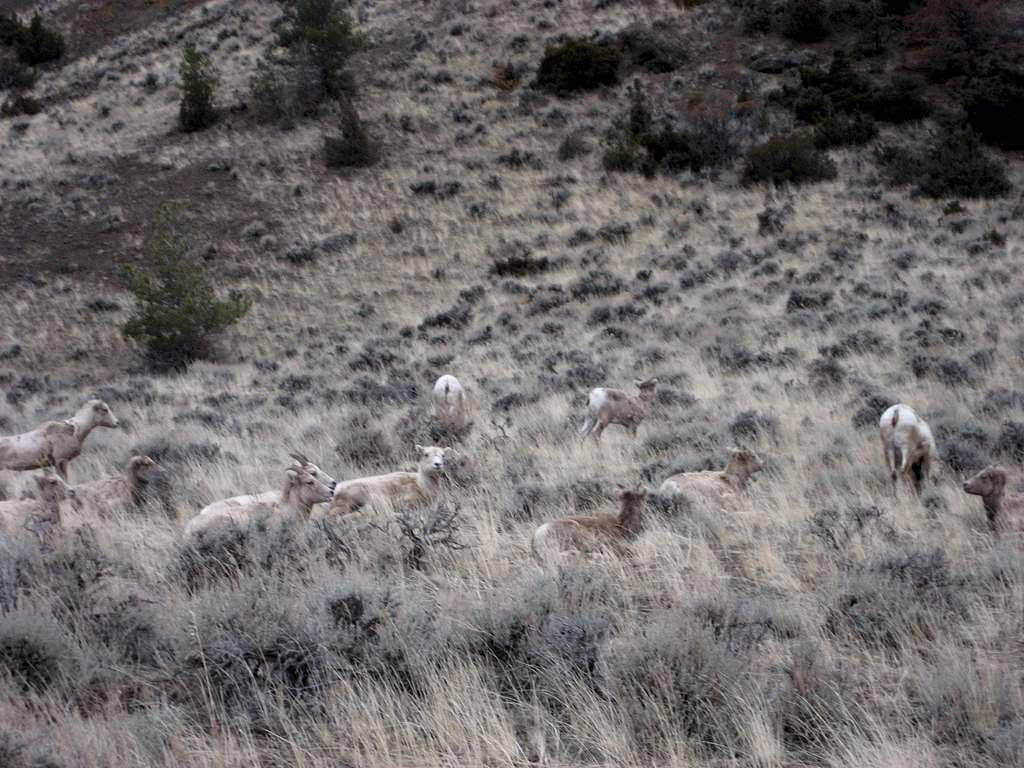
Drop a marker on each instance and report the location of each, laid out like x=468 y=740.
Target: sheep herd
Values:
x=908 y=448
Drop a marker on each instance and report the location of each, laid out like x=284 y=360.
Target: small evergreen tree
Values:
x=177 y=311
x=198 y=81
x=37 y=45
x=353 y=148
x=324 y=27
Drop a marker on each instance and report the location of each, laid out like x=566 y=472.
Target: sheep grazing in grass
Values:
x=587 y=533
x=295 y=500
x=450 y=405
x=907 y=444
x=716 y=490
x=55 y=443
x=113 y=493
x=399 y=488
x=613 y=406
x=271 y=497
x=39 y=516
x=1005 y=512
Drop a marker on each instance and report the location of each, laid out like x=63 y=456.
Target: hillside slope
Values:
x=828 y=621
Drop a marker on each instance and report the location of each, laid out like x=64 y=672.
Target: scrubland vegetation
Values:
x=792 y=214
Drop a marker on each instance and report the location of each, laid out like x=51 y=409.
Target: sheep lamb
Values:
x=613 y=406
x=716 y=490
x=399 y=488
x=117 y=493
x=55 y=443
x=908 y=445
x=1005 y=512
x=588 y=533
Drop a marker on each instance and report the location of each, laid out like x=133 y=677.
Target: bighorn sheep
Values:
x=121 y=492
x=586 y=533
x=55 y=443
x=908 y=444
x=1004 y=512
x=271 y=497
x=450 y=404
x=38 y=516
x=396 y=487
x=613 y=406
x=717 y=490
x=301 y=491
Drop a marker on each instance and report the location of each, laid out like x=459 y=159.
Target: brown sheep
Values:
x=717 y=490
x=1004 y=512
x=587 y=533
x=123 y=492
x=613 y=406
x=55 y=443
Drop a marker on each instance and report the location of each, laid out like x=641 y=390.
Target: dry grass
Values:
x=803 y=629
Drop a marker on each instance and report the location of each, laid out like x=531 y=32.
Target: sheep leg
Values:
x=588 y=427
x=598 y=430
x=62 y=469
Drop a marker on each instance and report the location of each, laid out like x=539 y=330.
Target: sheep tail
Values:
x=895 y=416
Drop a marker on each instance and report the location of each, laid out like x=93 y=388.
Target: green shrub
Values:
x=574 y=145
x=577 y=65
x=902 y=101
x=198 y=81
x=995 y=108
x=758 y=16
x=286 y=89
x=20 y=105
x=804 y=21
x=11 y=30
x=34 y=649
x=791 y=159
x=844 y=130
x=323 y=30
x=13 y=73
x=654 y=50
x=177 y=311
x=953 y=165
x=37 y=45
x=353 y=148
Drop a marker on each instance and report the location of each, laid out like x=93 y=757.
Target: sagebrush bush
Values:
x=578 y=65
x=805 y=20
x=656 y=50
x=352 y=148
x=758 y=16
x=177 y=312
x=198 y=81
x=953 y=164
x=995 y=107
x=35 y=649
x=790 y=159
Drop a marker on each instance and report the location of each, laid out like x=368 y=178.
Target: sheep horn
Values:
x=299 y=458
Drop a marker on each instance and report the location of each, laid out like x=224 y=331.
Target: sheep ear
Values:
x=637 y=383
x=419 y=448
x=292 y=474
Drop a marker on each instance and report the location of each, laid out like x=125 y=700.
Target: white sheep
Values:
x=908 y=445
x=716 y=490
x=400 y=488
x=613 y=406
x=450 y=403
x=271 y=497
x=55 y=443
x=39 y=516
x=295 y=500
x=586 y=533
x=115 y=493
